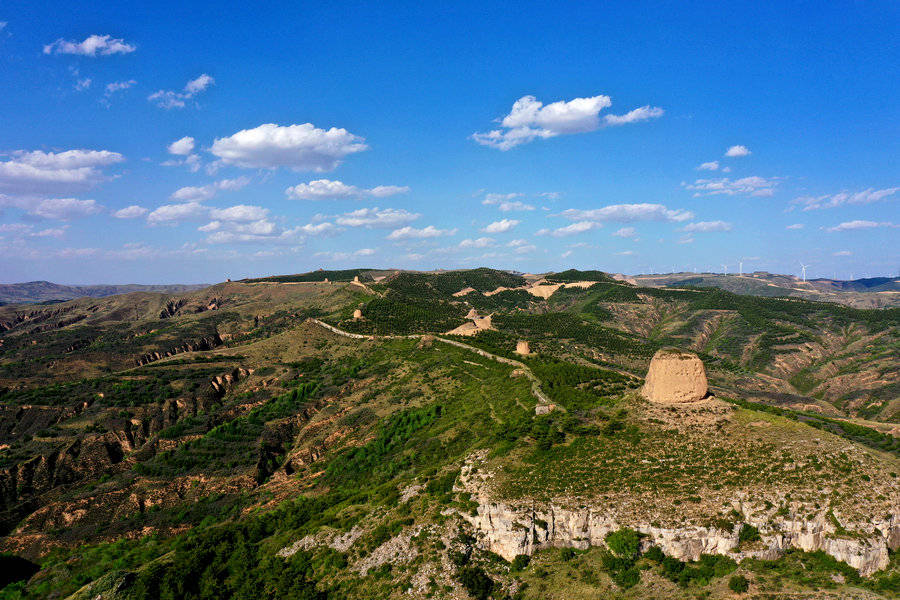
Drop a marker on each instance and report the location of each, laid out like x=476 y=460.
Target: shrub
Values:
x=748 y=533
x=520 y=562
x=625 y=543
x=739 y=584
x=476 y=582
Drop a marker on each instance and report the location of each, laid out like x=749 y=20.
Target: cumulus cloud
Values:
x=707 y=226
x=851 y=225
x=41 y=172
x=501 y=226
x=206 y=192
x=173 y=213
x=752 y=186
x=171 y=99
x=181 y=147
x=65 y=209
x=131 y=212
x=796 y=226
x=482 y=242
x=377 y=218
x=317 y=229
x=712 y=165
x=866 y=196
x=410 y=233
x=573 y=229
x=634 y=116
x=530 y=119
x=506 y=202
x=736 y=151
x=628 y=213
x=325 y=189
x=118 y=86
x=239 y=212
x=625 y=232
x=299 y=147
x=94 y=45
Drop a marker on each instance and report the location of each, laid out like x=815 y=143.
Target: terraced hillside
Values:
x=224 y=444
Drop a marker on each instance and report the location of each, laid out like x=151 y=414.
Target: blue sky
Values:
x=173 y=143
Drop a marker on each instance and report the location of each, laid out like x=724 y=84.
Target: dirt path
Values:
x=544 y=406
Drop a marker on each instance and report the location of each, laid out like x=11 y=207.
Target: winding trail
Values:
x=544 y=406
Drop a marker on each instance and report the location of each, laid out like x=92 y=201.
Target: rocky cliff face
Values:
x=674 y=377
x=510 y=529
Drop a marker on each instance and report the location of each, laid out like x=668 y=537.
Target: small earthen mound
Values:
x=425 y=341
x=357 y=314
x=675 y=377
x=523 y=348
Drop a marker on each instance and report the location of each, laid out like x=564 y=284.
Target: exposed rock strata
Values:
x=509 y=530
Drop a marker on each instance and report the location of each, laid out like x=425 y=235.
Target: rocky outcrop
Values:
x=204 y=343
x=674 y=377
x=510 y=529
x=523 y=348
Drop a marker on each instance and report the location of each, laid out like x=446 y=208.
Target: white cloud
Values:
x=83 y=84
x=173 y=213
x=736 y=151
x=408 y=233
x=753 y=186
x=525 y=249
x=317 y=229
x=635 y=116
x=482 y=242
x=131 y=212
x=118 y=86
x=529 y=119
x=16 y=228
x=712 y=165
x=209 y=191
x=377 y=218
x=195 y=86
x=325 y=189
x=170 y=99
x=64 y=209
x=629 y=213
x=796 y=226
x=866 y=196
x=851 y=225
x=625 y=253
x=686 y=239
x=41 y=172
x=299 y=147
x=573 y=229
x=56 y=232
x=501 y=226
x=505 y=202
x=181 y=147
x=625 y=232
x=239 y=212
x=707 y=226
x=94 y=45
x=842 y=253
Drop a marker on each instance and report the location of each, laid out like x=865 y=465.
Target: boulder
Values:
x=675 y=377
x=523 y=348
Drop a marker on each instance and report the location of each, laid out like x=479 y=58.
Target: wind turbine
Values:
x=726 y=269
x=803 y=269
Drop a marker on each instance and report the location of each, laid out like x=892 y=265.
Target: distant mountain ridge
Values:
x=34 y=292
